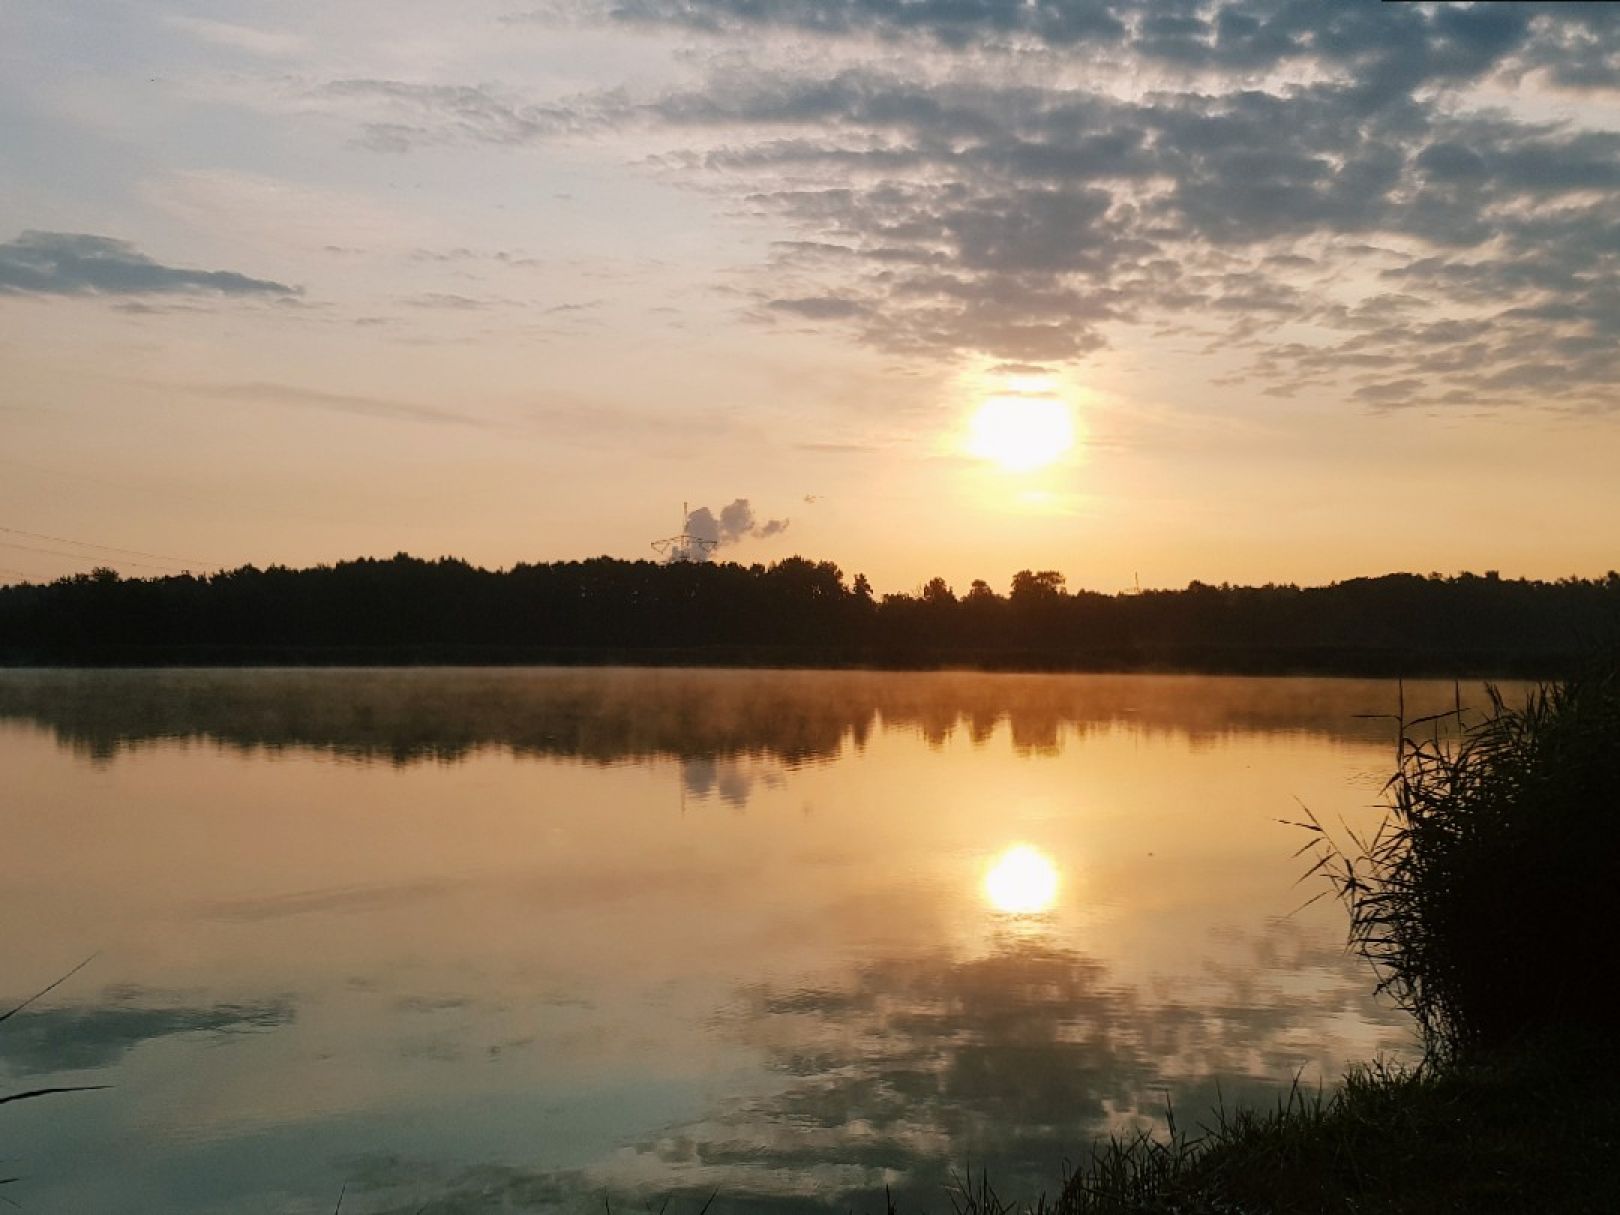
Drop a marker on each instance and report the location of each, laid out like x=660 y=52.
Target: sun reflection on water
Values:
x=1022 y=881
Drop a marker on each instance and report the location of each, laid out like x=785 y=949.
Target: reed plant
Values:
x=1529 y=1129
x=49 y=1090
x=1485 y=901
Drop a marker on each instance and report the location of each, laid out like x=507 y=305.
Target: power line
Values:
x=170 y=494
x=106 y=548
x=56 y=552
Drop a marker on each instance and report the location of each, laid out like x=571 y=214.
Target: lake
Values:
x=525 y=940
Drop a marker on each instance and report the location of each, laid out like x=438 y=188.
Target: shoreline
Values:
x=1325 y=662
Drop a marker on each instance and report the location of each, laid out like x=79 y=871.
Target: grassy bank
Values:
x=1533 y=1128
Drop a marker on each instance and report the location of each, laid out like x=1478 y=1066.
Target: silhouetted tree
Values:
x=797 y=610
x=1027 y=585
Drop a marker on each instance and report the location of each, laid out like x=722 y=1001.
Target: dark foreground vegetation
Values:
x=1529 y=1129
x=1485 y=905
x=799 y=613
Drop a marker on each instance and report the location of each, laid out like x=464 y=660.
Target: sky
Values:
x=1230 y=290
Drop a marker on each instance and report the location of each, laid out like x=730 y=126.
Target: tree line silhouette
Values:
x=799 y=612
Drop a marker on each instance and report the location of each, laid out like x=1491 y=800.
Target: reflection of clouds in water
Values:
x=906 y=1068
x=76 y=1037
x=1017 y=1058
x=1020 y=1057
x=420 y=1187
x=731 y=780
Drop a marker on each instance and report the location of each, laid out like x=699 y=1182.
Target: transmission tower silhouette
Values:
x=686 y=546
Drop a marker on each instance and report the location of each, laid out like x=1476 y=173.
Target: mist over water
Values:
x=510 y=940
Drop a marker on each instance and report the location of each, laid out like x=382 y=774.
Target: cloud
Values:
x=819 y=308
x=735 y=522
x=1026 y=180
x=338 y=402
x=448 y=301
x=956 y=209
x=1389 y=49
x=1390 y=392
x=1211 y=171
x=65 y=263
x=410 y=115
x=951 y=22
x=504 y=257
x=1575 y=47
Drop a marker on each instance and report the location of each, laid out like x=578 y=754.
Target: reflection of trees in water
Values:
x=1016 y=1060
x=609 y=715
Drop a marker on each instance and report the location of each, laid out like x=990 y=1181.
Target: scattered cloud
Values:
x=68 y=263
x=1390 y=205
x=1287 y=165
x=448 y=301
x=407 y=115
x=261 y=393
x=461 y=254
x=819 y=308
x=963 y=202
x=1390 y=52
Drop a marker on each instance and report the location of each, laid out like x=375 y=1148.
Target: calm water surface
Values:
x=516 y=940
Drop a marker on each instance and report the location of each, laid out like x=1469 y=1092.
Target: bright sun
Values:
x=1022 y=881
x=1021 y=433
